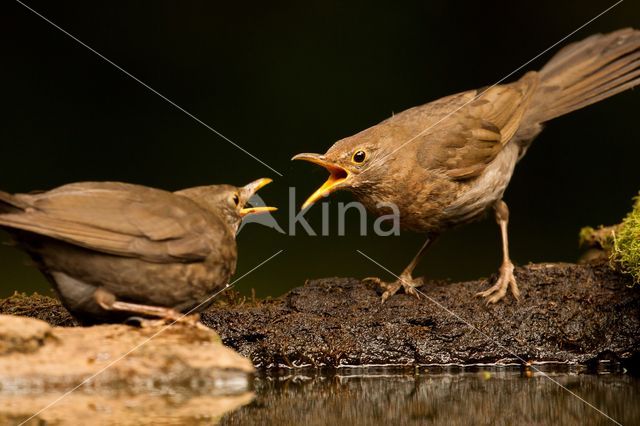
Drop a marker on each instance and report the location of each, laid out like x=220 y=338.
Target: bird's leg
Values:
x=108 y=301
x=405 y=279
x=506 y=278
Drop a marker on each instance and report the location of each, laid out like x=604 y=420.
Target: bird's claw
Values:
x=192 y=320
x=409 y=285
x=390 y=290
x=411 y=289
x=506 y=280
x=374 y=280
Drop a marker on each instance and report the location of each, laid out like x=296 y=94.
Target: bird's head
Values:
x=351 y=164
x=228 y=201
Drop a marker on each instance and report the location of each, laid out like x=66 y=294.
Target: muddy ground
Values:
x=567 y=313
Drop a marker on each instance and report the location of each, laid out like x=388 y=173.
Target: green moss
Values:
x=601 y=237
x=625 y=253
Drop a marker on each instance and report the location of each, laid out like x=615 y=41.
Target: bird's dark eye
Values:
x=359 y=157
x=236 y=199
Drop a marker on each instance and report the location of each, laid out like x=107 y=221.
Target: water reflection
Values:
x=80 y=408
x=483 y=397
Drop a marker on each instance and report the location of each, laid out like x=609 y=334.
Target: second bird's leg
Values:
x=108 y=301
x=405 y=279
x=506 y=278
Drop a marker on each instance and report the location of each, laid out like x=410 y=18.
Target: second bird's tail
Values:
x=586 y=72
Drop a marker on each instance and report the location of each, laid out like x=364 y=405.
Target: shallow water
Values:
x=454 y=396
x=483 y=396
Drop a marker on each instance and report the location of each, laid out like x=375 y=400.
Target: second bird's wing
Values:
x=121 y=219
x=472 y=127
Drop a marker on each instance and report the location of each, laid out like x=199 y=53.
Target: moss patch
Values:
x=601 y=237
x=625 y=252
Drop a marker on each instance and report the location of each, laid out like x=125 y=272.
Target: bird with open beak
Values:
x=112 y=250
x=448 y=162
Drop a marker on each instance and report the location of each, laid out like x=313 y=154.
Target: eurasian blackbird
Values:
x=445 y=163
x=114 y=249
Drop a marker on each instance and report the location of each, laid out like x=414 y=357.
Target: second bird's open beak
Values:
x=248 y=191
x=337 y=176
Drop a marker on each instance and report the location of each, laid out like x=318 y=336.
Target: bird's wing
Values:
x=122 y=219
x=474 y=127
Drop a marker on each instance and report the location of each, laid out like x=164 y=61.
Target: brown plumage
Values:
x=115 y=249
x=447 y=162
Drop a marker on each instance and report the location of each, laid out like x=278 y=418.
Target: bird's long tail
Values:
x=586 y=72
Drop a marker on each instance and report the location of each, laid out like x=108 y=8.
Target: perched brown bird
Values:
x=114 y=249
x=445 y=163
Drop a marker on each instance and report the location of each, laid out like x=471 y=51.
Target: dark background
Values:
x=280 y=78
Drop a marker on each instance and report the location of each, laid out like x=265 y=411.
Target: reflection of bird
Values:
x=112 y=249
x=445 y=163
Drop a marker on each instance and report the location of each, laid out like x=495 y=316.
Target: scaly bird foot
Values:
x=407 y=282
x=499 y=289
x=192 y=320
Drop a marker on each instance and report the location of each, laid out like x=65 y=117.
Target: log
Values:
x=568 y=313
x=574 y=314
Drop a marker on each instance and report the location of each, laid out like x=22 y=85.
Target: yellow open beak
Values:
x=336 y=177
x=248 y=191
x=256 y=210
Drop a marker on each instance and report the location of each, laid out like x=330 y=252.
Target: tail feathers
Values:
x=11 y=204
x=586 y=72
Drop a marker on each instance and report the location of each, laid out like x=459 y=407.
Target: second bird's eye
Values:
x=359 y=156
x=236 y=199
